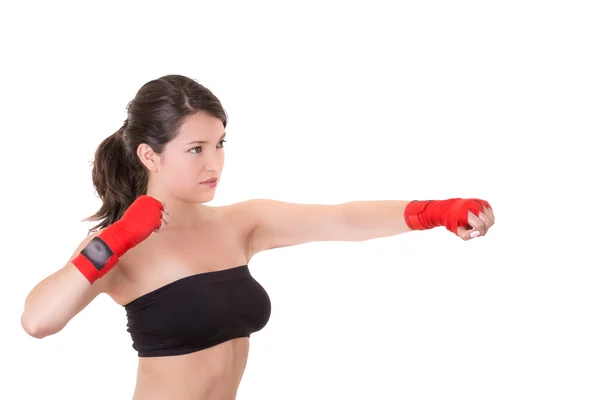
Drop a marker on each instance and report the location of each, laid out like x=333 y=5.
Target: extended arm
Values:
x=278 y=224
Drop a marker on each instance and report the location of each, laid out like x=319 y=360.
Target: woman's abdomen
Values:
x=210 y=374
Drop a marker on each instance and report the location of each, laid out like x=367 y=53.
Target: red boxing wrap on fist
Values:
x=136 y=224
x=451 y=213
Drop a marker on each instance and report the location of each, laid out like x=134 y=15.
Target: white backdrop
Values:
x=331 y=102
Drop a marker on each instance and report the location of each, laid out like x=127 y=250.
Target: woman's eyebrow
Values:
x=205 y=141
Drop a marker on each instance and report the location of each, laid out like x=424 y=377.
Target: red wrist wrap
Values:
x=102 y=253
x=85 y=266
x=451 y=213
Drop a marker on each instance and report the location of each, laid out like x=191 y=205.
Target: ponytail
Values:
x=117 y=177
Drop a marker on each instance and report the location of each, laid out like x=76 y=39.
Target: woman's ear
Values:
x=148 y=157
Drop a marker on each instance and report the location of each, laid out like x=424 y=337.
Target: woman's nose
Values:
x=213 y=162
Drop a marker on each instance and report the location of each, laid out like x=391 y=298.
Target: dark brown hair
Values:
x=154 y=117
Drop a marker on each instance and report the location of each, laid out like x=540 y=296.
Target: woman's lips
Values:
x=210 y=182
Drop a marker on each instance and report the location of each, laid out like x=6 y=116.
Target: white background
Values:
x=331 y=102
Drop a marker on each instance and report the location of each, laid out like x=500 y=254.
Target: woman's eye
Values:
x=199 y=148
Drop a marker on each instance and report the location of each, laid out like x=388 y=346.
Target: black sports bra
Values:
x=197 y=312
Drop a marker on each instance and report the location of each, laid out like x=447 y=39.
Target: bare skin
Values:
x=220 y=243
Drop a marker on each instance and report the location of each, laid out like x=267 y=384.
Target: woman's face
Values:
x=194 y=156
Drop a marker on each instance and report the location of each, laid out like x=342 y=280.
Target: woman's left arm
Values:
x=277 y=224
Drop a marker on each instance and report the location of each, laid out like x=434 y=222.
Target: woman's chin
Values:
x=205 y=197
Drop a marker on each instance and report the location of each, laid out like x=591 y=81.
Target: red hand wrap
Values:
x=451 y=213
x=88 y=270
x=136 y=224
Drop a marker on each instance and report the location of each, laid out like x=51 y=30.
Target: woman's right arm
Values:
x=54 y=301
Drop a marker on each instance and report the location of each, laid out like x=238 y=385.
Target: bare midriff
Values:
x=214 y=373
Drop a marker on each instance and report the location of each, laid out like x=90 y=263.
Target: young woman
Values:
x=180 y=267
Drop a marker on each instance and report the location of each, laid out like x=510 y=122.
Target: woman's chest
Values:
x=175 y=254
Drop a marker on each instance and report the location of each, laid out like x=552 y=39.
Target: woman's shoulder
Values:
x=240 y=215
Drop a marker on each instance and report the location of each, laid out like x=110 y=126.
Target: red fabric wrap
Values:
x=89 y=271
x=136 y=224
x=451 y=213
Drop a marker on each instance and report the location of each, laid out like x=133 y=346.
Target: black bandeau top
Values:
x=197 y=312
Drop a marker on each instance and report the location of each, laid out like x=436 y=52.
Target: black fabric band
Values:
x=98 y=252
